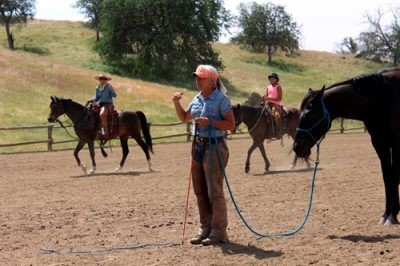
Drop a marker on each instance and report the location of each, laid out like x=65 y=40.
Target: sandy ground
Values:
x=120 y=218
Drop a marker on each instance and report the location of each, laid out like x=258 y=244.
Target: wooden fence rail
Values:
x=50 y=140
x=50 y=127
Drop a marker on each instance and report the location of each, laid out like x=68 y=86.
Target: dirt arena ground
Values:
x=120 y=218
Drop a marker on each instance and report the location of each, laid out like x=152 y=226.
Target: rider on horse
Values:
x=104 y=97
x=273 y=99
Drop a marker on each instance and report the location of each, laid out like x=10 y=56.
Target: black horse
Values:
x=86 y=125
x=373 y=99
x=260 y=125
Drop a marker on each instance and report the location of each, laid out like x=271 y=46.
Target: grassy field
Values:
x=56 y=58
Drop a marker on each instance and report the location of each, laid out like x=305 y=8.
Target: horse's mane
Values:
x=366 y=81
x=349 y=81
x=71 y=102
x=251 y=108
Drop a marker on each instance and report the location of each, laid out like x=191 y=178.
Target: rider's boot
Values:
x=104 y=126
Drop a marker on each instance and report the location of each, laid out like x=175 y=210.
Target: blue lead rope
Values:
x=275 y=234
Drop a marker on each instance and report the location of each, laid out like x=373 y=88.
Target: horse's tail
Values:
x=145 y=130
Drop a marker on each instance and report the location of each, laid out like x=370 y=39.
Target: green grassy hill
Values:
x=56 y=58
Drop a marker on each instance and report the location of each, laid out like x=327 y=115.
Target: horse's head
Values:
x=314 y=122
x=56 y=109
x=238 y=116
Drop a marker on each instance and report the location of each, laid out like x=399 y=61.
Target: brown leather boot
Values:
x=212 y=240
x=197 y=240
x=104 y=125
x=201 y=235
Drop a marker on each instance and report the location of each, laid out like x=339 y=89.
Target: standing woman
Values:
x=104 y=96
x=212 y=113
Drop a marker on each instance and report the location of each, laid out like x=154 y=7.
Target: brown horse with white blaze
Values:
x=86 y=125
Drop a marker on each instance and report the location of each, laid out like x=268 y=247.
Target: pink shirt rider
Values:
x=273 y=93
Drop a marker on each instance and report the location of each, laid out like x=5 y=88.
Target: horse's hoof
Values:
x=83 y=167
x=266 y=172
x=391 y=221
x=247 y=170
x=118 y=169
x=92 y=171
x=382 y=220
x=292 y=167
x=149 y=164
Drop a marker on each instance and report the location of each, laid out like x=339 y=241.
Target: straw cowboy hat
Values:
x=102 y=76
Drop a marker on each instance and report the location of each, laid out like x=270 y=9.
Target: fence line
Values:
x=50 y=140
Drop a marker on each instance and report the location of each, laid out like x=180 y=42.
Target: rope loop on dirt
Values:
x=274 y=234
x=99 y=250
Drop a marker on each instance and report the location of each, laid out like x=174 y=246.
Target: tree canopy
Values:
x=381 y=43
x=267 y=27
x=348 y=46
x=15 y=11
x=163 y=38
x=381 y=40
x=92 y=10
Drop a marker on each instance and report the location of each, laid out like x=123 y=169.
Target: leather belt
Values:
x=206 y=140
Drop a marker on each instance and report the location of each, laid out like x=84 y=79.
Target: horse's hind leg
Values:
x=145 y=149
x=125 y=152
x=76 y=154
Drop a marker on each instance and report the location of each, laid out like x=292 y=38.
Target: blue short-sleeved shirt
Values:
x=104 y=95
x=214 y=107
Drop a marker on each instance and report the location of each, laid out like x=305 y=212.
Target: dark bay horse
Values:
x=259 y=126
x=373 y=99
x=86 y=125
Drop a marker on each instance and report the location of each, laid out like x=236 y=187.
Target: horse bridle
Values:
x=326 y=116
x=78 y=123
x=258 y=120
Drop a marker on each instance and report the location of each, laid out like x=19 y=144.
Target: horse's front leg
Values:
x=76 y=154
x=384 y=152
x=91 y=152
x=394 y=188
x=264 y=155
x=125 y=152
x=249 y=152
x=307 y=159
x=293 y=165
